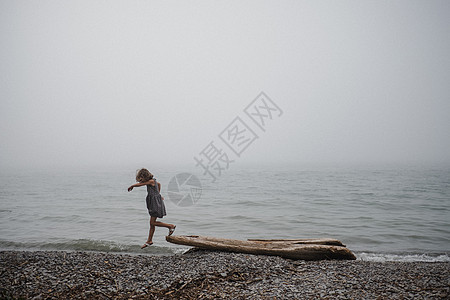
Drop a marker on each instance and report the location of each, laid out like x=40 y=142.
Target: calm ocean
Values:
x=380 y=213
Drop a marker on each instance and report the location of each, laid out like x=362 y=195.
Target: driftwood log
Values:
x=304 y=249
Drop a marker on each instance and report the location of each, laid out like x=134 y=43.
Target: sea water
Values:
x=381 y=213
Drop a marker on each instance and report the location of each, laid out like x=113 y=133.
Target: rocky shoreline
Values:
x=212 y=275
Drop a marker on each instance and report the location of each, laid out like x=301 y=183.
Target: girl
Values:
x=155 y=204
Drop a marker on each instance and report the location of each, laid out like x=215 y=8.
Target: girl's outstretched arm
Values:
x=150 y=182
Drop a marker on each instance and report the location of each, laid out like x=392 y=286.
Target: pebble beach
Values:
x=201 y=274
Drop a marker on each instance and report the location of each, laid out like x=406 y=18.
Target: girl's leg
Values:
x=151 y=232
x=154 y=223
x=150 y=235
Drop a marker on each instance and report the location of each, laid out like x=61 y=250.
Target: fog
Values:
x=93 y=83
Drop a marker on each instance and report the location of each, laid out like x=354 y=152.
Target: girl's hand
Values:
x=130 y=188
x=162 y=198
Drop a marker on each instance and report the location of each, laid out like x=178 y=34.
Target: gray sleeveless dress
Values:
x=155 y=204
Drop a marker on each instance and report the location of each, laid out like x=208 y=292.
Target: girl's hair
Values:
x=143 y=175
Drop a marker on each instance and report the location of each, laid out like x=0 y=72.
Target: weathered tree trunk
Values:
x=322 y=241
x=293 y=249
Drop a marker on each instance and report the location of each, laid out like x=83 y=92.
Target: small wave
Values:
x=384 y=257
x=89 y=245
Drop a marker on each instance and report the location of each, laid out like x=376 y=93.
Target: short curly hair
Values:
x=143 y=175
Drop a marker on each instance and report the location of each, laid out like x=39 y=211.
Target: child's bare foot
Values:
x=171 y=230
x=146 y=245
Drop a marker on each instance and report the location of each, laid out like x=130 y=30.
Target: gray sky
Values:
x=134 y=82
